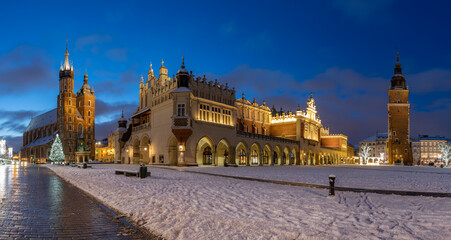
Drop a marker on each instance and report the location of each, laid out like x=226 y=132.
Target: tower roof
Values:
x=66 y=65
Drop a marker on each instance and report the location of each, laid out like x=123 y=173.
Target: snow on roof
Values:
x=40 y=141
x=375 y=137
x=44 y=119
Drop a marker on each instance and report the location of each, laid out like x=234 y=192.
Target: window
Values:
x=207 y=156
x=181 y=110
x=394 y=133
x=89 y=103
x=204 y=112
x=70 y=119
x=284 y=158
x=242 y=156
x=227 y=117
x=265 y=157
x=254 y=157
x=216 y=114
x=70 y=110
x=89 y=113
x=70 y=102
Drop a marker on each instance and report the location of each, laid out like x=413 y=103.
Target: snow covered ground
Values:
x=423 y=179
x=181 y=205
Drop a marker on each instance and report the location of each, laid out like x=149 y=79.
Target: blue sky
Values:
x=342 y=51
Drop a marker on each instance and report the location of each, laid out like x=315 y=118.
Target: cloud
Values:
x=13 y=124
x=117 y=54
x=23 y=68
x=361 y=9
x=347 y=101
x=436 y=80
x=14 y=142
x=112 y=112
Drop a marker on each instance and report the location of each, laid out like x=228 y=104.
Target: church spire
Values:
x=66 y=65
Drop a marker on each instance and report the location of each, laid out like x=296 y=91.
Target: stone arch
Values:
x=267 y=156
x=241 y=154
x=294 y=158
x=145 y=150
x=223 y=152
x=136 y=157
x=285 y=156
x=205 y=151
x=173 y=150
x=255 y=156
x=277 y=155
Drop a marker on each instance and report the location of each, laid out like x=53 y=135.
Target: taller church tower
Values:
x=66 y=108
x=399 y=147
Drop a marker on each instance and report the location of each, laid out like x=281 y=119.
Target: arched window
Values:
x=275 y=157
x=254 y=157
x=242 y=156
x=207 y=156
x=284 y=158
x=292 y=158
x=89 y=113
x=70 y=110
x=70 y=102
x=89 y=103
x=265 y=157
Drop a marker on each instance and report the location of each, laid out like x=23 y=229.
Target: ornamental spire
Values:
x=66 y=65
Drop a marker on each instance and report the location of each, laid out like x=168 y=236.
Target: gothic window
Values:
x=70 y=119
x=242 y=156
x=181 y=110
x=89 y=113
x=265 y=157
x=70 y=110
x=207 y=156
x=89 y=120
x=70 y=102
x=254 y=157
x=89 y=103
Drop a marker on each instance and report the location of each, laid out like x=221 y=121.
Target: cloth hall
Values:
x=187 y=120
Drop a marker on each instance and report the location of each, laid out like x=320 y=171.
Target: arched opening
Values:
x=223 y=153
x=255 y=154
x=136 y=153
x=311 y=158
x=145 y=150
x=277 y=154
x=173 y=151
x=266 y=155
x=241 y=154
x=205 y=151
x=285 y=156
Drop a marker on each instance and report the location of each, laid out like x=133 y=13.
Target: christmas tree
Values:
x=56 y=153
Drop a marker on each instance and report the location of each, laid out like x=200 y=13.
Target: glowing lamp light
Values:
x=145 y=149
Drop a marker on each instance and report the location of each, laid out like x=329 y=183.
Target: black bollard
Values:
x=331 y=185
x=85 y=165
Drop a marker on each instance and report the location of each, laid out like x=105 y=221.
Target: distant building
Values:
x=2 y=147
x=10 y=152
x=426 y=149
x=378 y=145
x=105 y=149
x=73 y=120
x=351 y=154
x=398 y=142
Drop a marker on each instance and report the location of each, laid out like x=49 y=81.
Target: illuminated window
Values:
x=254 y=157
x=265 y=157
x=207 y=156
x=227 y=117
x=204 y=112
x=216 y=114
x=242 y=156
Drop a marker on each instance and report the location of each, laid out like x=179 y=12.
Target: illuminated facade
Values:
x=188 y=120
x=105 y=149
x=426 y=149
x=73 y=120
x=398 y=143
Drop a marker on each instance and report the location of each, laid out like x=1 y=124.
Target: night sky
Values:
x=279 y=51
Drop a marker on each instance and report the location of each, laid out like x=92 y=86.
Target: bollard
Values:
x=331 y=185
x=85 y=165
x=142 y=171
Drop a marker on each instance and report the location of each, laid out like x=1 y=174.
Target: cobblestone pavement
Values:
x=37 y=204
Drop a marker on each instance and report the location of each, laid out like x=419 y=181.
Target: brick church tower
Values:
x=75 y=115
x=398 y=143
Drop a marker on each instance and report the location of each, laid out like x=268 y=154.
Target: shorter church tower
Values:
x=398 y=143
x=86 y=119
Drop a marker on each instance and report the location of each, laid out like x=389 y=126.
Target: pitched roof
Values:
x=40 y=141
x=44 y=119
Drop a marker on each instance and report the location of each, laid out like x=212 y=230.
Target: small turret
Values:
x=122 y=123
x=398 y=81
x=183 y=76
